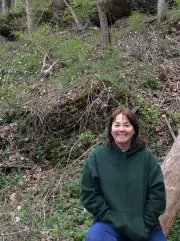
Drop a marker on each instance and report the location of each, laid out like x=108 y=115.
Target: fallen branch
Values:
x=78 y=24
x=87 y=151
x=8 y=168
x=14 y=233
x=44 y=71
x=169 y=127
x=162 y=92
x=134 y=110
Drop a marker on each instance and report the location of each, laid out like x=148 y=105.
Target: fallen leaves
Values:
x=6 y=132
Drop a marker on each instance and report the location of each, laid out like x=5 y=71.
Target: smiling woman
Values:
x=114 y=173
x=122 y=132
x=123 y=129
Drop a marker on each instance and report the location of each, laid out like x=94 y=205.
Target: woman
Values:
x=122 y=185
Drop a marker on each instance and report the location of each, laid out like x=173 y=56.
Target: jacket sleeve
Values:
x=156 y=195
x=90 y=194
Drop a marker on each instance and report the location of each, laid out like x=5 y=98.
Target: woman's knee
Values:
x=101 y=232
x=157 y=235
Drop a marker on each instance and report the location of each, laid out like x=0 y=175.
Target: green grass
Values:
x=175 y=232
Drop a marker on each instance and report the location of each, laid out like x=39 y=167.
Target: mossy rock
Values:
x=5 y=30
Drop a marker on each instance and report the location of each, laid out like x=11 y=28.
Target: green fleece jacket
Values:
x=124 y=189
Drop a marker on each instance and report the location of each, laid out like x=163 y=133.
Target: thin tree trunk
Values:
x=8 y=2
x=3 y=6
x=105 y=34
x=171 y=170
x=79 y=26
x=28 y=13
x=14 y=3
x=160 y=9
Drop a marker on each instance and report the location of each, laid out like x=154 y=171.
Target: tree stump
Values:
x=171 y=171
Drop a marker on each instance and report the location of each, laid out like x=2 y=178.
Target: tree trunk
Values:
x=160 y=9
x=8 y=2
x=14 y=3
x=171 y=170
x=28 y=14
x=105 y=35
x=79 y=26
x=3 y=6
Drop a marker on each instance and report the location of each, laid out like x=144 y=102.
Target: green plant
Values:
x=175 y=232
x=175 y=115
x=135 y=22
x=150 y=114
x=88 y=135
x=9 y=98
x=75 y=222
x=38 y=155
x=155 y=147
x=151 y=82
x=82 y=9
x=175 y=12
x=10 y=180
x=177 y=2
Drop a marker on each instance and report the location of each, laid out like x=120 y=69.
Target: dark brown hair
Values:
x=136 y=142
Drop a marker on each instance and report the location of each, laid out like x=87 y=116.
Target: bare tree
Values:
x=78 y=24
x=102 y=11
x=4 y=6
x=28 y=13
x=14 y=3
x=160 y=9
x=8 y=3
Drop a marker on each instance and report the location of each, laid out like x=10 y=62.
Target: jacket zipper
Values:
x=127 y=186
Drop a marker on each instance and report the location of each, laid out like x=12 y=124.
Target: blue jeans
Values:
x=102 y=232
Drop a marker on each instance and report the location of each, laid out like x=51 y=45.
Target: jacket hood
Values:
x=135 y=147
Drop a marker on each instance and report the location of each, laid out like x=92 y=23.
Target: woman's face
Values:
x=122 y=131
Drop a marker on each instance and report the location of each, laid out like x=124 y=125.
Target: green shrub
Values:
x=151 y=82
x=83 y=9
x=135 y=22
x=177 y=2
x=175 y=232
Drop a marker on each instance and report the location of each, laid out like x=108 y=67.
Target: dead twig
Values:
x=169 y=127
x=78 y=24
x=44 y=71
x=13 y=233
x=161 y=96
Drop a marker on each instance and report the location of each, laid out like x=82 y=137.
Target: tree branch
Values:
x=44 y=71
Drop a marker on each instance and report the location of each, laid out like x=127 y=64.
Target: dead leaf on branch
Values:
x=6 y=132
x=32 y=175
x=14 y=158
x=12 y=199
